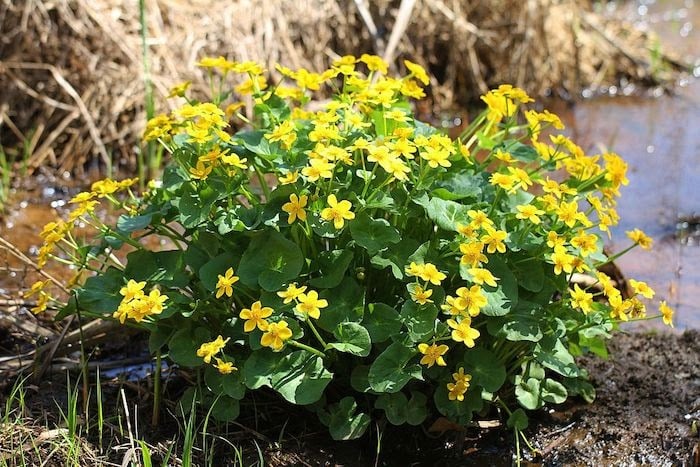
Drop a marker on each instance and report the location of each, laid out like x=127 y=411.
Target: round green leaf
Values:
x=381 y=321
x=353 y=339
x=485 y=369
x=394 y=406
x=373 y=234
x=271 y=261
x=391 y=370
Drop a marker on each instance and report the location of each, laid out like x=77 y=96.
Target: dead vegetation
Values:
x=73 y=79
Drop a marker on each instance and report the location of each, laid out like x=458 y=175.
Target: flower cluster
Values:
x=355 y=244
x=136 y=304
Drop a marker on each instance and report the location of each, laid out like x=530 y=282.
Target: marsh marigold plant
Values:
x=357 y=248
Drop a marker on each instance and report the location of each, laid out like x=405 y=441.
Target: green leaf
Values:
x=553 y=391
x=527 y=392
x=458 y=411
x=391 y=370
x=271 y=261
x=521 y=151
x=458 y=186
x=394 y=406
x=209 y=273
x=184 y=344
x=359 y=379
x=164 y=267
x=381 y=321
x=230 y=385
x=299 y=376
x=517 y=420
x=373 y=234
x=225 y=409
x=344 y=304
x=446 y=214
x=353 y=339
x=580 y=387
x=332 y=266
x=485 y=369
x=255 y=142
x=128 y=224
x=523 y=325
x=195 y=206
x=396 y=257
x=344 y=424
x=100 y=294
x=529 y=274
x=419 y=320
x=417 y=409
x=552 y=353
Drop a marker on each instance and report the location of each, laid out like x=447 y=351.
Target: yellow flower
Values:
x=284 y=132
x=667 y=313
x=42 y=303
x=224 y=368
x=463 y=332
x=417 y=71
x=471 y=299
x=375 y=63
x=420 y=295
x=640 y=238
x=290 y=177
x=529 y=212
x=581 y=299
x=482 y=276
x=504 y=181
x=472 y=254
x=179 y=89
x=554 y=239
x=642 y=289
x=619 y=307
x=432 y=354
x=292 y=292
x=310 y=305
x=586 y=243
x=460 y=385
x=234 y=160
x=255 y=316
x=104 y=187
x=494 y=240
x=338 y=212
x=154 y=302
x=225 y=283
x=295 y=207
x=209 y=349
x=276 y=335
x=37 y=287
x=132 y=290
x=563 y=262
x=431 y=274
x=201 y=170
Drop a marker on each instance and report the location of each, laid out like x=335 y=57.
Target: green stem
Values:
x=615 y=256
x=315 y=332
x=306 y=347
x=156 y=391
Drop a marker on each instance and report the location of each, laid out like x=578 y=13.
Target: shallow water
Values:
x=659 y=137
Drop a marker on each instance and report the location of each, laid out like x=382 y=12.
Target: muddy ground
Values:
x=647 y=412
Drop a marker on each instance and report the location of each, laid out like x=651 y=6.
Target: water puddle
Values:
x=659 y=137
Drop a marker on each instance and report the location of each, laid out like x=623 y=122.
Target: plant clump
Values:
x=357 y=248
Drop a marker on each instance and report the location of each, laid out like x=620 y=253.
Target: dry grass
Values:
x=73 y=79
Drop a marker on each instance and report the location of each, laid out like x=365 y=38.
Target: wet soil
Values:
x=647 y=412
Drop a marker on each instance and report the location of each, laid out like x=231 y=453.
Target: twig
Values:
x=400 y=25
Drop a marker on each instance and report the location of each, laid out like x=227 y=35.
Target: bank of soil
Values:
x=647 y=412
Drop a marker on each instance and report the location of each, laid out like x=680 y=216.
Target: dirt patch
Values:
x=646 y=413
x=647 y=404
